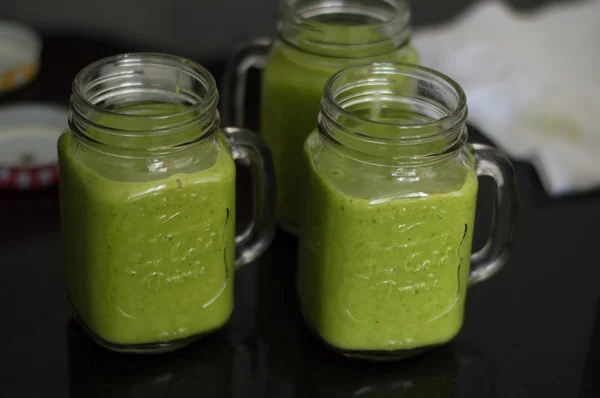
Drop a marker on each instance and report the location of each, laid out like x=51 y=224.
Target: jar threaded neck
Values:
x=144 y=101
x=394 y=112
x=345 y=29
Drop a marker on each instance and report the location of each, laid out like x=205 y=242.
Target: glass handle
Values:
x=251 y=151
x=493 y=163
x=233 y=94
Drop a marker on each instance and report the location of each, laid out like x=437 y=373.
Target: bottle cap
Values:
x=28 y=145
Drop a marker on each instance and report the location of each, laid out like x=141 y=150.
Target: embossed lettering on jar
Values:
x=386 y=239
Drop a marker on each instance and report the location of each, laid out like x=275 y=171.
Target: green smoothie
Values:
x=292 y=87
x=148 y=259
x=380 y=271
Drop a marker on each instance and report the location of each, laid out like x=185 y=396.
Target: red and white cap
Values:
x=28 y=138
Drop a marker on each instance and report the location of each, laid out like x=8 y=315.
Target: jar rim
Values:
x=389 y=18
x=83 y=80
x=451 y=121
x=125 y=99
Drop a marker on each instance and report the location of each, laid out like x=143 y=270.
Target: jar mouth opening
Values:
x=333 y=27
x=410 y=103
x=144 y=101
x=99 y=86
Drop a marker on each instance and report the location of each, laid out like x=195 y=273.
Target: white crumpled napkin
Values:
x=532 y=83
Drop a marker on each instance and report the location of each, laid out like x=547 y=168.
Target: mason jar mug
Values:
x=316 y=38
x=147 y=194
x=385 y=245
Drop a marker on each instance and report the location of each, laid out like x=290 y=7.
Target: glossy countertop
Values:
x=531 y=331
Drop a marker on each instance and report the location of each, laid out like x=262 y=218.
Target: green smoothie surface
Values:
x=149 y=253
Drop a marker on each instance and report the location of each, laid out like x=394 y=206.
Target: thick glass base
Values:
x=148 y=348
x=383 y=356
x=376 y=356
x=368 y=355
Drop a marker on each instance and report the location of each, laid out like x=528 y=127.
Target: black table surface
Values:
x=533 y=330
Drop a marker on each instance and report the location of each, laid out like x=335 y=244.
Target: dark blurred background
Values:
x=206 y=30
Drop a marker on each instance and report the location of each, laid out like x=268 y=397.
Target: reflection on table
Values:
x=201 y=370
x=267 y=351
